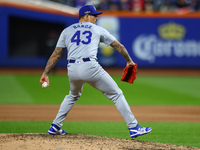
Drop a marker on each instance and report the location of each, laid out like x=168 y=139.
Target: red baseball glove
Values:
x=129 y=74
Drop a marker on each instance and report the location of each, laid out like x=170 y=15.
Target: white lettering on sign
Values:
x=149 y=47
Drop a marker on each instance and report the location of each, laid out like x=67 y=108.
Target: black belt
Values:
x=84 y=59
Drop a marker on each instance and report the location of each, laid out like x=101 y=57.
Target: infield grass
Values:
x=26 y=89
x=186 y=134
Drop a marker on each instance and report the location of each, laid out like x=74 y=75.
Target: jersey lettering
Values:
x=77 y=35
x=82 y=26
x=76 y=38
x=88 y=36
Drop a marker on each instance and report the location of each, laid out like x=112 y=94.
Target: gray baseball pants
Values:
x=91 y=72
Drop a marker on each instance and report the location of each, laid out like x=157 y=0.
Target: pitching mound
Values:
x=44 y=141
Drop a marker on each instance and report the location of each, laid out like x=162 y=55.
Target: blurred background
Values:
x=157 y=33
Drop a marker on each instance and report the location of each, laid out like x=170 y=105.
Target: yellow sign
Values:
x=172 y=31
x=107 y=51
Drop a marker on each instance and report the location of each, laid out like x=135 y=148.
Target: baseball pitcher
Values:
x=82 y=40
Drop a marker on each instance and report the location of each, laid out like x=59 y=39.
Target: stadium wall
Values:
x=158 y=40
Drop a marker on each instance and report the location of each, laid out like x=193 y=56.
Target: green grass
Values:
x=26 y=89
x=186 y=134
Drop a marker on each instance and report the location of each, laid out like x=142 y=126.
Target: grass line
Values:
x=186 y=134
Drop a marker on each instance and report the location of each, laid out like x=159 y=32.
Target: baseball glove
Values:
x=129 y=74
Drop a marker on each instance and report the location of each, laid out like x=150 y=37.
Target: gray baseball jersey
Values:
x=82 y=41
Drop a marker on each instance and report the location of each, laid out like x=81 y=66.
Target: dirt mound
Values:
x=44 y=141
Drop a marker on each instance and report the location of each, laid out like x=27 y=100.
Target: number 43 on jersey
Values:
x=77 y=37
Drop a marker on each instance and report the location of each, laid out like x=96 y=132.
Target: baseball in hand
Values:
x=44 y=85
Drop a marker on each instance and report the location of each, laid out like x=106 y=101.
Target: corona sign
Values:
x=172 y=31
x=168 y=44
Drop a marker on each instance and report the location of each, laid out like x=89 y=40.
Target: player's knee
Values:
x=115 y=96
x=76 y=97
x=72 y=97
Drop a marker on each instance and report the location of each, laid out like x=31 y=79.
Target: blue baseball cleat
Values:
x=55 y=130
x=137 y=131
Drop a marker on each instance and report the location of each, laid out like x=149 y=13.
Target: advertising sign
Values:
x=157 y=42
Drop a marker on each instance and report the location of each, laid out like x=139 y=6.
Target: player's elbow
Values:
x=117 y=45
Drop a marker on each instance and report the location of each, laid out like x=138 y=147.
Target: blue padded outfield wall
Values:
x=160 y=42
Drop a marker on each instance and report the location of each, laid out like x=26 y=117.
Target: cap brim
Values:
x=97 y=13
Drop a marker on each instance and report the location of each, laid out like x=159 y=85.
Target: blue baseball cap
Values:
x=88 y=9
